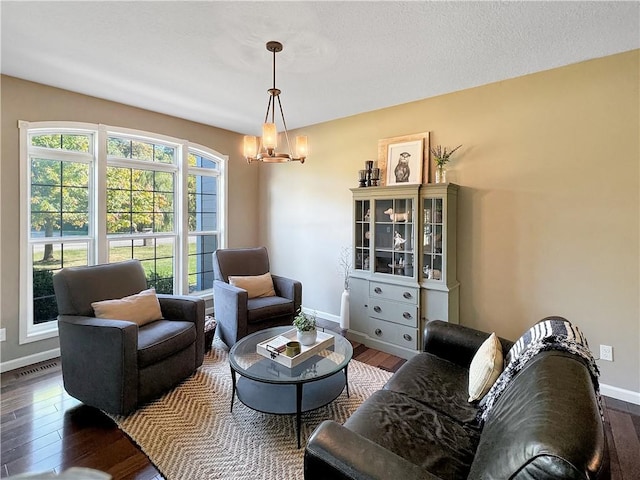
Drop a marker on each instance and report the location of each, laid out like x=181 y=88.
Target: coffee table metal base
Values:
x=288 y=399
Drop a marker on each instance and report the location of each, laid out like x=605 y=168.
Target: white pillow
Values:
x=255 y=285
x=485 y=368
x=140 y=308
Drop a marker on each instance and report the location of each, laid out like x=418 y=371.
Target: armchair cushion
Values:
x=255 y=285
x=263 y=308
x=161 y=339
x=140 y=308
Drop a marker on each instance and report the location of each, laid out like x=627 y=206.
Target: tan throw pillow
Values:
x=486 y=367
x=256 y=285
x=140 y=308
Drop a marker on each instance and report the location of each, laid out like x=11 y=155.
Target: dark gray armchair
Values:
x=237 y=314
x=112 y=364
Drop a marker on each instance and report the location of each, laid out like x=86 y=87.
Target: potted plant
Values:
x=305 y=323
x=441 y=156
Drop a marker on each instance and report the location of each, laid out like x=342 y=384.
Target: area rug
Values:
x=190 y=433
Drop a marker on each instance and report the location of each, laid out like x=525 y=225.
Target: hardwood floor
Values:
x=44 y=429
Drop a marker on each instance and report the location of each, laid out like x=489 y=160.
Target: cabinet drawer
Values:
x=397 y=293
x=400 y=335
x=381 y=330
x=407 y=337
x=403 y=313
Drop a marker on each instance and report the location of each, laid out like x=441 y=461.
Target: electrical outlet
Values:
x=606 y=352
x=3 y=334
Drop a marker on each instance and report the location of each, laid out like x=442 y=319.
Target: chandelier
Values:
x=266 y=152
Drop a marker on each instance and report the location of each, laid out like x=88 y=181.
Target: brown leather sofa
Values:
x=545 y=425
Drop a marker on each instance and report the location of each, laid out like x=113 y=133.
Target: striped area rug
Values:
x=189 y=433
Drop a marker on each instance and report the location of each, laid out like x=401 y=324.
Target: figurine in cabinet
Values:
x=398 y=241
x=397 y=217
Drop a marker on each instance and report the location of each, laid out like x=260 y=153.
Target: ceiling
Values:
x=206 y=61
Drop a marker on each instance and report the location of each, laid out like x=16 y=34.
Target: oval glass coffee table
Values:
x=267 y=386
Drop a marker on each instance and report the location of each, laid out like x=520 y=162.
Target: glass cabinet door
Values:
x=433 y=229
x=394 y=233
x=362 y=234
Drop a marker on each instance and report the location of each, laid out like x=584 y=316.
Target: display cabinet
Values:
x=438 y=279
x=404 y=264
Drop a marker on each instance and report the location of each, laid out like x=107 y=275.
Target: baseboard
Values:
x=29 y=360
x=323 y=315
x=628 y=396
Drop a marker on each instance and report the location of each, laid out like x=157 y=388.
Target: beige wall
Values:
x=22 y=100
x=549 y=202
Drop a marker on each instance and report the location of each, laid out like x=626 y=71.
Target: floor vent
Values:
x=36 y=369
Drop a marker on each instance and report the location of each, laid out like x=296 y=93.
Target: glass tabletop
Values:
x=246 y=361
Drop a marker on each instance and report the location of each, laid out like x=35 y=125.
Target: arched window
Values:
x=97 y=194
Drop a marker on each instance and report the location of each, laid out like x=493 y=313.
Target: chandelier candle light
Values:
x=269 y=141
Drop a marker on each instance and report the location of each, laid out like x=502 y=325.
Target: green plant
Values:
x=305 y=322
x=441 y=156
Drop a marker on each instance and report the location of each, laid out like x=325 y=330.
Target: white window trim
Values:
x=98 y=238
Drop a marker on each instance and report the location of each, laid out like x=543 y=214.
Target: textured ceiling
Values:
x=207 y=62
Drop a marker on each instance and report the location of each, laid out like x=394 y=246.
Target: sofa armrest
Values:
x=230 y=306
x=288 y=288
x=99 y=359
x=336 y=452
x=186 y=308
x=456 y=343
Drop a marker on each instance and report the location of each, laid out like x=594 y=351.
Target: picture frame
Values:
x=404 y=160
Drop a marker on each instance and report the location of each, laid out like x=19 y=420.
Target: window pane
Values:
x=204 y=162
x=119 y=147
x=119 y=222
x=75 y=224
x=162 y=222
x=45 y=225
x=56 y=209
x=163 y=182
x=202 y=203
x=72 y=142
x=156 y=256
x=47 y=260
x=45 y=199
x=164 y=154
x=46 y=172
x=75 y=174
x=141 y=150
x=75 y=199
x=146 y=206
x=201 y=250
x=163 y=202
x=119 y=178
x=118 y=200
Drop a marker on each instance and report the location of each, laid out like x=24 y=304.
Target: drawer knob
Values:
x=407 y=337
x=377 y=290
x=407 y=315
x=377 y=309
x=378 y=332
x=407 y=295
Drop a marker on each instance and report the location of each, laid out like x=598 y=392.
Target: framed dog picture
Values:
x=402 y=159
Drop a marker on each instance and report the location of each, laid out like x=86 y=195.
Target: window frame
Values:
x=97 y=238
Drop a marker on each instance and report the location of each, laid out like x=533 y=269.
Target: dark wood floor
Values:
x=43 y=429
